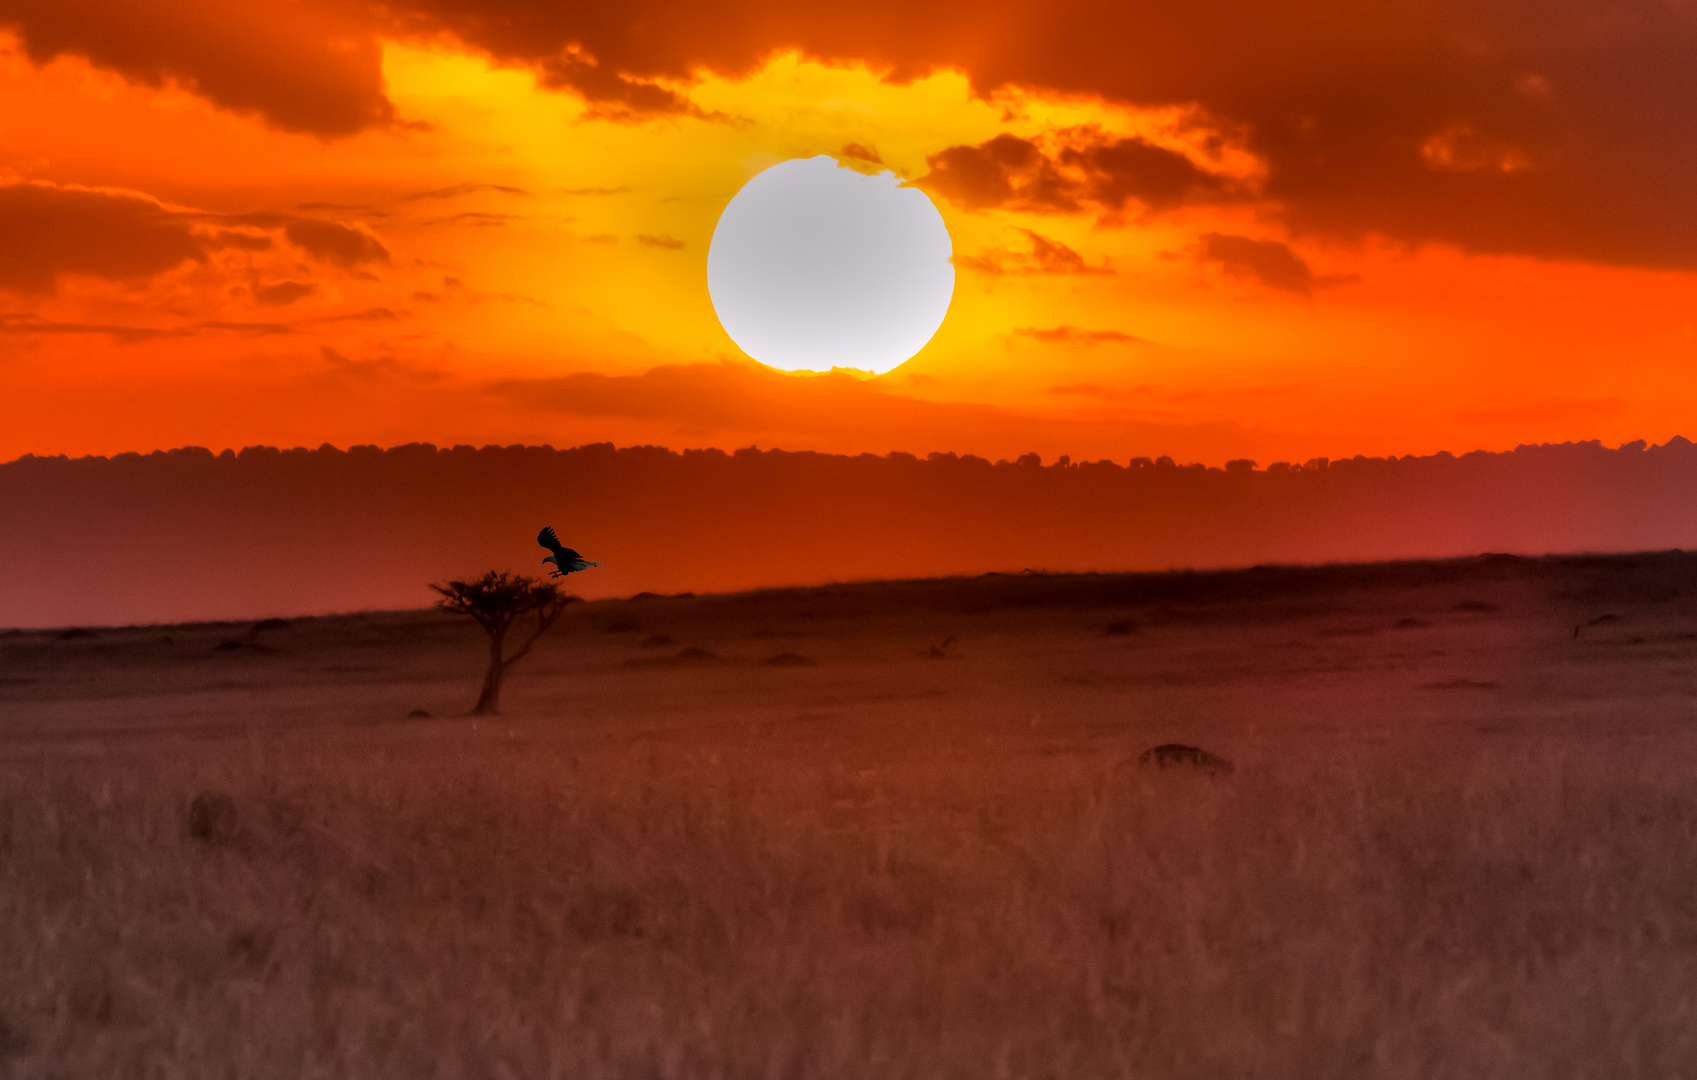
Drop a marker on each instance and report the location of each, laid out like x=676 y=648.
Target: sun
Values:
x=814 y=266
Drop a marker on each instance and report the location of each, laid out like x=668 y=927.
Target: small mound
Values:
x=789 y=659
x=646 y=596
x=1119 y=629
x=1180 y=756
x=212 y=818
x=77 y=632
x=658 y=641
x=1476 y=606
x=419 y=714
x=269 y=624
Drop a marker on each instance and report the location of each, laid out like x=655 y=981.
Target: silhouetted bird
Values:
x=565 y=560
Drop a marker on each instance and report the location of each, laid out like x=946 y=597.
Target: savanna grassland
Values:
x=883 y=830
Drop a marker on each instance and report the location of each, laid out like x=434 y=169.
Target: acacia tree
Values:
x=497 y=601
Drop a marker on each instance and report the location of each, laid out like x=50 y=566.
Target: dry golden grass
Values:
x=888 y=866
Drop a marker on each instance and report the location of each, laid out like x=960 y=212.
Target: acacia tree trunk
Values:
x=494 y=601
x=489 y=701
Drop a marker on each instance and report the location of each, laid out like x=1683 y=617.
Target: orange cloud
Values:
x=47 y=231
x=1008 y=171
x=309 y=67
x=1370 y=120
x=343 y=245
x=1071 y=335
x=283 y=292
x=1047 y=256
x=22 y=323
x=1265 y=261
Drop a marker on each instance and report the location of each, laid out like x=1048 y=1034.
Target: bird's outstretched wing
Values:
x=548 y=540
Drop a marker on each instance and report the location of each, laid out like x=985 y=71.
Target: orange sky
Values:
x=1217 y=233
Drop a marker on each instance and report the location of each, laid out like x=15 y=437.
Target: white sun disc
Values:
x=814 y=266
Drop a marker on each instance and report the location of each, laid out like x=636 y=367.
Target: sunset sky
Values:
x=1211 y=230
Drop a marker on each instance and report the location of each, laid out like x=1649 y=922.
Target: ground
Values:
x=883 y=830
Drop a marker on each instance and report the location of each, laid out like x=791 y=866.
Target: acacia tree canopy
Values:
x=496 y=601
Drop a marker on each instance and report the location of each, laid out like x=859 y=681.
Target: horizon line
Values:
x=230 y=454
x=1024 y=574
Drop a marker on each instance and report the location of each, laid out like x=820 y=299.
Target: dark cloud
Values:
x=246 y=329
x=332 y=242
x=283 y=292
x=1047 y=256
x=375 y=369
x=271 y=329
x=376 y=314
x=22 y=323
x=611 y=93
x=226 y=238
x=1005 y=171
x=304 y=66
x=26 y=324
x=1135 y=170
x=861 y=153
x=744 y=401
x=458 y=190
x=1584 y=111
x=671 y=243
x=347 y=246
x=1089 y=173
x=477 y=219
x=362 y=209
x=252 y=219
x=1072 y=335
x=1553 y=128
x=47 y=231
x=1268 y=262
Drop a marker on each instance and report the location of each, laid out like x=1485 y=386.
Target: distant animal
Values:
x=1170 y=755
x=565 y=560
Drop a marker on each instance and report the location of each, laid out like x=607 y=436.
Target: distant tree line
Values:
x=188 y=533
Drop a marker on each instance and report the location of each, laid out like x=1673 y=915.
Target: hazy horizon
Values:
x=187 y=534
